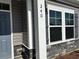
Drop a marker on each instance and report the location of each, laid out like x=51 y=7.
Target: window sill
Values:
x=59 y=42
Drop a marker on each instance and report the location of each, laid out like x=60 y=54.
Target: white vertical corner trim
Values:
x=42 y=29
x=12 y=46
x=29 y=10
x=30 y=29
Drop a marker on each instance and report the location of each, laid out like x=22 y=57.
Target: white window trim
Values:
x=5 y=10
x=12 y=46
x=63 y=11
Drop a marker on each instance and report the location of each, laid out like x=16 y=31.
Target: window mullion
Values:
x=48 y=27
x=63 y=26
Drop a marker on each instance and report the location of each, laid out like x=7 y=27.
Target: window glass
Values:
x=67 y=22
x=55 y=17
x=69 y=32
x=52 y=21
x=58 y=14
x=4 y=6
x=4 y=23
x=71 y=16
x=69 y=19
x=71 y=22
x=0 y=5
x=52 y=13
x=55 y=34
x=66 y=15
x=58 y=21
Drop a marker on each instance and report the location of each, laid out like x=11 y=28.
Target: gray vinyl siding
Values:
x=17 y=28
x=17 y=22
x=77 y=24
x=20 y=26
x=25 y=24
x=20 y=23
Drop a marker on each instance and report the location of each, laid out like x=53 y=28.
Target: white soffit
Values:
x=74 y=3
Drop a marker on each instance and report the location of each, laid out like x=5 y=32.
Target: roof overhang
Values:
x=74 y=3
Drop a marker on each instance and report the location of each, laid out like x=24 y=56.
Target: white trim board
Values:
x=12 y=46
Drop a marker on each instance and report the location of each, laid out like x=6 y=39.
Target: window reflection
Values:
x=5 y=23
x=69 y=19
x=55 y=34
x=55 y=17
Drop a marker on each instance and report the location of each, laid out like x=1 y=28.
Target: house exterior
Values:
x=38 y=29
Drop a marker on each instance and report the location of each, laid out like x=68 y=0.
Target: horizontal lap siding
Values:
x=25 y=24
x=17 y=38
x=17 y=23
x=17 y=28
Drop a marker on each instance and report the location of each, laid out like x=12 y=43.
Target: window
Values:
x=61 y=25
x=69 y=21
x=55 y=25
x=4 y=6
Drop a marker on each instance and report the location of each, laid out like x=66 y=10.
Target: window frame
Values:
x=63 y=26
x=70 y=25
